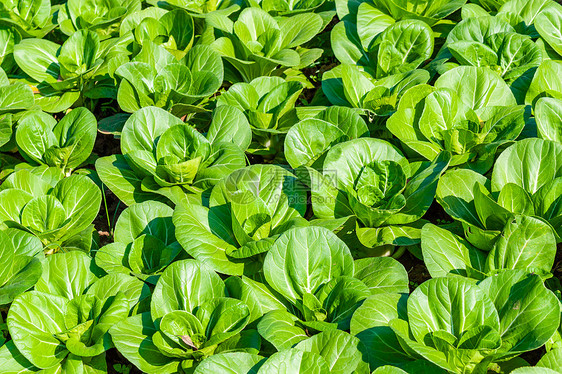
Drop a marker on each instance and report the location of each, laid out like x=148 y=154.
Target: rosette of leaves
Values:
x=252 y=206
x=15 y=99
x=66 y=144
x=268 y=103
x=526 y=179
x=31 y=18
x=348 y=85
x=257 y=44
x=144 y=242
x=190 y=319
x=471 y=122
x=181 y=87
x=369 y=181
x=100 y=16
x=164 y=158
x=20 y=263
x=173 y=30
x=308 y=141
x=525 y=243
x=63 y=325
x=485 y=41
x=312 y=272
x=380 y=46
x=63 y=75
x=57 y=210
x=463 y=327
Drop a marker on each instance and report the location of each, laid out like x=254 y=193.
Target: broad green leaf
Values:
x=342 y=352
x=33 y=320
x=529 y=313
x=526 y=243
x=382 y=275
x=548 y=114
x=229 y=363
x=370 y=324
x=450 y=304
x=133 y=338
x=66 y=274
x=302 y=259
x=185 y=285
x=529 y=163
x=294 y=361
x=445 y=253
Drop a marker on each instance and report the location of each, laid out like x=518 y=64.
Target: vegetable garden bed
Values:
x=281 y=187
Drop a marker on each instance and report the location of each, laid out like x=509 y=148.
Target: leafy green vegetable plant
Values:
x=57 y=210
x=382 y=48
x=62 y=326
x=472 y=126
x=64 y=74
x=144 y=242
x=191 y=319
x=268 y=103
x=525 y=243
x=252 y=206
x=370 y=181
x=315 y=275
x=462 y=327
x=526 y=180
x=31 y=18
x=101 y=16
x=66 y=144
x=179 y=86
x=256 y=43
x=164 y=156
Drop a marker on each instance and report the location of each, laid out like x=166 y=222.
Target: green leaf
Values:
x=115 y=172
x=477 y=87
x=529 y=163
x=133 y=338
x=548 y=114
x=341 y=351
x=66 y=274
x=549 y=23
x=529 y=313
x=370 y=325
x=229 y=363
x=230 y=125
x=143 y=128
x=445 y=253
x=382 y=275
x=303 y=258
x=526 y=243
x=33 y=320
x=450 y=304
x=281 y=329
x=307 y=141
x=185 y=285
x=38 y=59
x=294 y=361
x=195 y=230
